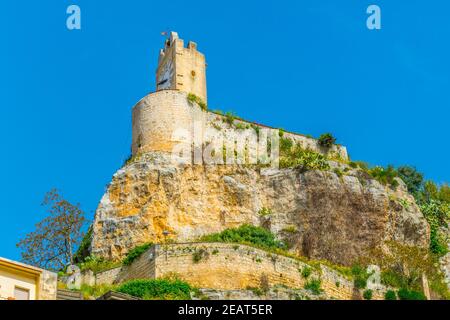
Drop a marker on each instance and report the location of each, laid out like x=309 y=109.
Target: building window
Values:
x=21 y=294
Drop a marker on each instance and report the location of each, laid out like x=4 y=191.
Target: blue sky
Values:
x=306 y=66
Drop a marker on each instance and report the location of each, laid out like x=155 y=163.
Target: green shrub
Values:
x=437 y=214
x=360 y=276
x=314 y=285
x=405 y=294
x=304 y=158
x=367 y=294
x=306 y=272
x=385 y=176
x=96 y=264
x=390 y=295
x=360 y=283
x=327 y=140
x=286 y=145
x=393 y=278
x=157 y=289
x=246 y=234
x=192 y=98
x=438 y=243
x=199 y=254
x=135 y=253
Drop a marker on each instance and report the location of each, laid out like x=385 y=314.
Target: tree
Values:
x=412 y=178
x=444 y=193
x=52 y=245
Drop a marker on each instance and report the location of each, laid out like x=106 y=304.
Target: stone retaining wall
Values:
x=223 y=266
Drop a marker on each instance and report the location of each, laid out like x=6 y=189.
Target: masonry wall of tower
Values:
x=181 y=68
x=156 y=119
x=165 y=120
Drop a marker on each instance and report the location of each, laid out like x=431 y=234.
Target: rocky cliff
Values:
x=321 y=214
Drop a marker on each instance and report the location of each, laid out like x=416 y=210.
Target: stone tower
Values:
x=181 y=68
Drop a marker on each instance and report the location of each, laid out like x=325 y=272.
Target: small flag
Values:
x=164 y=33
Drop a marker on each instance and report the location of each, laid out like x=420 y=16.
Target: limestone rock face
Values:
x=320 y=214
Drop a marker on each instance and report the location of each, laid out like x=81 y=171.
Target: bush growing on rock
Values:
x=327 y=140
x=306 y=272
x=314 y=285
x=385 y=176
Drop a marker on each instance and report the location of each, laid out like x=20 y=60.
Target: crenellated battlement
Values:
x=181 y=68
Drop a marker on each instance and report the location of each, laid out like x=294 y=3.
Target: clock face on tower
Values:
x=165 y=77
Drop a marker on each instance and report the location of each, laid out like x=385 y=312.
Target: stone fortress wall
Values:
x=226 y=266
x=165 y=121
